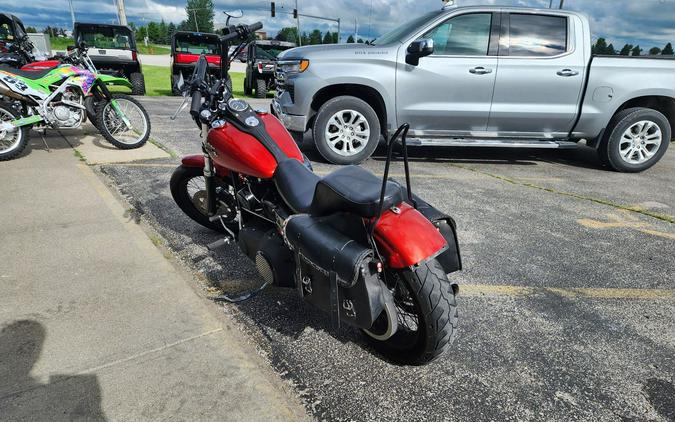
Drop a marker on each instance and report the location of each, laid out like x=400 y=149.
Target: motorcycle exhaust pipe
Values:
x=4 y=90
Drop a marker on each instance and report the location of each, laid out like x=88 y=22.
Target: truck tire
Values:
x=635 y=140
x=228 y=83
x=346 y=130
x=174 y=81
x=260 y=88
x=138 y=83
x=247 y=88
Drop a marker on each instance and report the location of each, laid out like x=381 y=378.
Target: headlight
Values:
x=293 y=66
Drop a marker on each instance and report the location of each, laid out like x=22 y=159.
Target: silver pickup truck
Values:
x=480 y=76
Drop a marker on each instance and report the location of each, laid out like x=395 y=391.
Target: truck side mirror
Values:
x=419 y=48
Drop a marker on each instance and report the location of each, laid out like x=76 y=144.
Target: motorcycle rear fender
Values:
x=198 y=161
x=407 y=238
x=114 y=80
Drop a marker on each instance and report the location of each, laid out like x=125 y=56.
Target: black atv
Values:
x=112 y=48
x=262 y=54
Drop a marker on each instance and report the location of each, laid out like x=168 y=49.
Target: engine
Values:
x=66 y=113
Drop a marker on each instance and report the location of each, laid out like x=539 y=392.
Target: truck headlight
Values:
x=293 y=66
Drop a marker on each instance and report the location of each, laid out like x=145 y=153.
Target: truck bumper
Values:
x=292 y=122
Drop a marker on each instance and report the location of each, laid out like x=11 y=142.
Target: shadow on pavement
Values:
x=22 y=397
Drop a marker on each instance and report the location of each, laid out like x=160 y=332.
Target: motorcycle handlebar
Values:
x=240 y=31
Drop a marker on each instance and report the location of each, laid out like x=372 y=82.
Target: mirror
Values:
x=234 y=13
x=417 y=49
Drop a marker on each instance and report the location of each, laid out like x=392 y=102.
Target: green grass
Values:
x=158 y=81
x=61 y=43
x=152 y=49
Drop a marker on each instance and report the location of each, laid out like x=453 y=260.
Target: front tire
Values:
x=137 y=83
x=636 y=139
x=346 y=130
x=427 y=316
x=113 y=128
x=188 y=191
x=12 y=143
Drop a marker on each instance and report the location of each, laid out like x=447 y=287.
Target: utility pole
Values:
x=72 y=13
x=562 y=3
x=121 y=12
x=194 y=14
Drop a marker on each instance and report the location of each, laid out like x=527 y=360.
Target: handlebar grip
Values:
x=200 y=71
x=255 y=27
x=196 y=103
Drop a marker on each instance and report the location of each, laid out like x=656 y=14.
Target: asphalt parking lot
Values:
x=567 y=307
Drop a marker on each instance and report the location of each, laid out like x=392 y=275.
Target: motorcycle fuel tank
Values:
x=242 y=153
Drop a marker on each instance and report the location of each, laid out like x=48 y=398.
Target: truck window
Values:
x=106 y=38
x=537 y=36
x=464 y=35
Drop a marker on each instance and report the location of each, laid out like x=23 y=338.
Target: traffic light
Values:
x=295 y=13
x=274 y=10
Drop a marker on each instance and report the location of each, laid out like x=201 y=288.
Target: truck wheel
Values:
x=346 y=130
x=174 y=81
x=138 y=84
x=635 y=140
x=260 y=88
x=247 y=88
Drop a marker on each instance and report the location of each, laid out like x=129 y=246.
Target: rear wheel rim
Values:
x=195 y=188
x=640 y=142
x=9 y=140
x=118 y=129
x=347 y=132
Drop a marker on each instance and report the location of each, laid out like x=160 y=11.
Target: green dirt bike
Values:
x=63 y=97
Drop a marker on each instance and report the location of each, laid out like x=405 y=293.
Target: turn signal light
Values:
x=304 y=64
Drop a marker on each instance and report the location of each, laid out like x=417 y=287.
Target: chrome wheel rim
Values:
x=347 y=132
x=640 y=142
x=118 y=129
x=9 y=139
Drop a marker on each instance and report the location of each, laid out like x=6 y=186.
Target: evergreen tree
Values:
x=636 y=51
x=360 y=41
x=199 y=15
x=305 y=39
x=625 y=51
x=153 y=32
x=171 y=29
x=289 y=34
x=611 y=50
x=327 y=38
x=163 y=32
x=315 y=37
x=31 y=29
x=667 y=50
x=336 y=38
x=600 y=47
x=350 y=40
x=654 y=51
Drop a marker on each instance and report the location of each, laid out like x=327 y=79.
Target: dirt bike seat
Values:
x=349 y=189
x=28 y=74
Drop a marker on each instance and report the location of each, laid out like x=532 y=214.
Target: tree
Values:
x=350 y=40
x=667 y=50
x=289 y=34
x=315 y=37
x=654 y=51
x=199 y=15
x=163 y=33
x=625 y=51
x=153 y=32
x=600 y=47
x=305 y=38
x=360 y=41
x=636 y=51
x=336 y=38
x=171 y=29
x=327 y=38
x=31 y=29
x=611 y=50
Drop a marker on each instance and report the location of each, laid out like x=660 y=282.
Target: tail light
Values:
x=134 y=56
x=260 y=67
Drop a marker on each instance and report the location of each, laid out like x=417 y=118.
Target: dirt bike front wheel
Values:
x=426 y=312
x=123 y=122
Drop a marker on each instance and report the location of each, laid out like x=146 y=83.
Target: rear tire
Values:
x=435 y=308
x=187 y=202
x=623 y=131
x=260 y=88
x=12 y=144
x=352 y=150
x=137 y=83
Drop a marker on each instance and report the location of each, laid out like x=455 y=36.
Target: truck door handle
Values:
x=567 y=72
x=480 y=70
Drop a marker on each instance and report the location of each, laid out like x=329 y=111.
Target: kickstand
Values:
x=240 y=297
x=44 y=141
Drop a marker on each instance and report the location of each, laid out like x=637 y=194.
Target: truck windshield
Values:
x=117 y=38
x=405 y=30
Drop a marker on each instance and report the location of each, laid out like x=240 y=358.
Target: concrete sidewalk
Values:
x=96 y=324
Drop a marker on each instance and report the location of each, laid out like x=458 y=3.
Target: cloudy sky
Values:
x=645 y=22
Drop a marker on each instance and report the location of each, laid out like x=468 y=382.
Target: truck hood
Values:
x=334 y=51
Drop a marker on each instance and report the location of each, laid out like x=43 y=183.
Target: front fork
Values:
x=113 y=103
x=210 y=185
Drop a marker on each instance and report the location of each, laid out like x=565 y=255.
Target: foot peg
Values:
x=222 y=242
x=240 y=297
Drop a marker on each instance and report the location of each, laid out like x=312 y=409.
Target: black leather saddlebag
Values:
x=335 y=273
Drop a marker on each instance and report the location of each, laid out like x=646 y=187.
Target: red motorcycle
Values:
x=366 y=251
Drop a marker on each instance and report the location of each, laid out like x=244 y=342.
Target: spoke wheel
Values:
x=115 y=129
x=347 y=132
x=640 y=142
x=12 y=142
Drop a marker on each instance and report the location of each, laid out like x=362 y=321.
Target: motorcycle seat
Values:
x=348 y=189
x=28 y=74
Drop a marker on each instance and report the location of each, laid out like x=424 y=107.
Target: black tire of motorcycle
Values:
x=109 y=137
x=435 y=300
x=137 y=83
x=92 y=110
x=178 y=184
x=24 y=136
